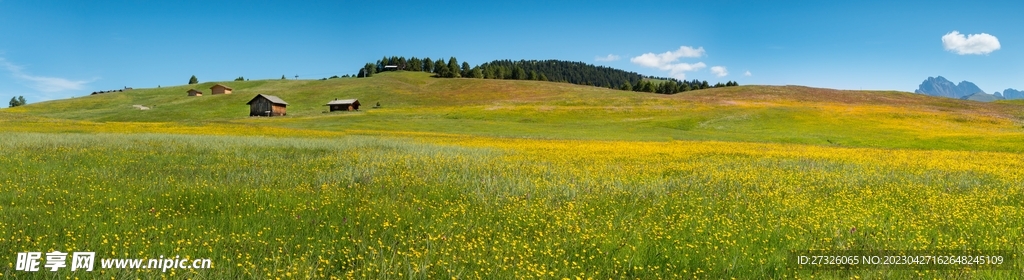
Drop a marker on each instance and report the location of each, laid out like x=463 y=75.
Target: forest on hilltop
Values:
x=539 y=70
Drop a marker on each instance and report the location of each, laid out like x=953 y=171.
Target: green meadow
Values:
x=503 y=179
x=416 y=102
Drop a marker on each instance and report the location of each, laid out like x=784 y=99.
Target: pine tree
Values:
x=282 y=77
x=415 y=64
x=368 y=70
x=193 y=80
x=14 y=102
x=383 y=62
x=437 y=65
x=520 y=74
x=21 y=101
x=453 y=68
x=428 y=65
x=444 y=71
x=466 y=70
x=499 y=72
x=648 y=87
x=486 y=73
x=671 y=87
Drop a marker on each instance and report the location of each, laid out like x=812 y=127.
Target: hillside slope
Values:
x=413 y=101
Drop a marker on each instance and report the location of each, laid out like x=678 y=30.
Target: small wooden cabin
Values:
x=220 y=89
x=194 y=92
x=267 y=105
x=344 y=105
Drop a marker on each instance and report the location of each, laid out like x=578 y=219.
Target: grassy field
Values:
x=510 y=179
x=413 y=101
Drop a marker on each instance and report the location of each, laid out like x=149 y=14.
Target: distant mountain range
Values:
x=939 y=86
x=1012 y=94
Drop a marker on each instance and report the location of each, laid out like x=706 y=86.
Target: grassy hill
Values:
x=414 y=101
x=981 y=97
x=502 y=179
x=1012 y=101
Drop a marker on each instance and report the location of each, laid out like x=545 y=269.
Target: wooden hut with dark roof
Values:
x=194 y=92
x=267 y=106
x=343 y=105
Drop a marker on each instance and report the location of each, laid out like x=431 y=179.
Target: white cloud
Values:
x=668 y=61
x=678 y=70
x=970 y=44
x=664 y=60
x=747 y=73
x=610 y=57
x=41 y=83
x=719 y=71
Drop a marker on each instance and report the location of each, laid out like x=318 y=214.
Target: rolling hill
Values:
x=414 y=101
x=544 y=179
x=982 y=97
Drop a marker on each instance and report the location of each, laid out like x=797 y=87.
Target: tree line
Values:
x=440 y=68
x=547 y=70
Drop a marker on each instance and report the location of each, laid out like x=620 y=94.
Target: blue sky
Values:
x=59 y=49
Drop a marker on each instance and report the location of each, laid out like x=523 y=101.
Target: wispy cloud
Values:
x=747 y=73
x=42 y=83
x=669 y=61
x=719 y=71
x=970 y=44
x=609 y=57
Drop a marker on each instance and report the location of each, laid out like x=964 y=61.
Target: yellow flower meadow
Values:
x=430 y=206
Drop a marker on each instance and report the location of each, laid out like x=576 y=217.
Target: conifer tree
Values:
x=428 y=65
x=466 y=70
x=453 y=68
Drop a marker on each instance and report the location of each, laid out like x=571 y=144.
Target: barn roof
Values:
x=273 y=99
x=193 y=90
x=342 y=102
x=220 y=85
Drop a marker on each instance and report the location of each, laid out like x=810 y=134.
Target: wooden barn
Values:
x=344 y=105
x=267 y=105
x=194 y=92
x=220 y=89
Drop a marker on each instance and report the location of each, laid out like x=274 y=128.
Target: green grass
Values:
x=413 y=101
x=384 y=207
x=1013 y=102
x=465 y=178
